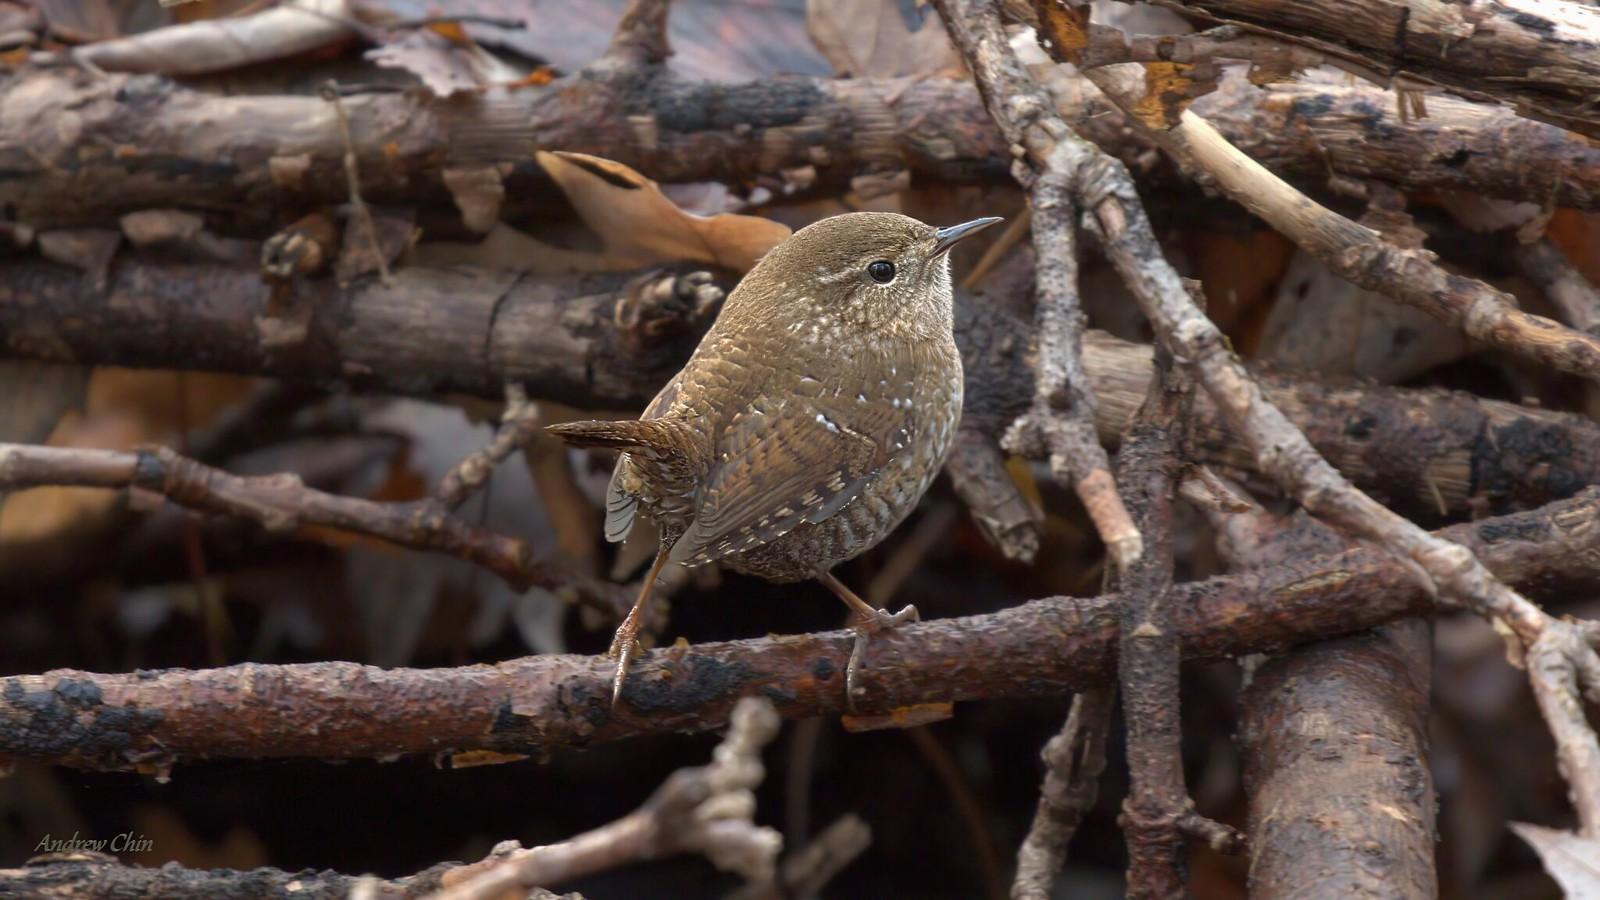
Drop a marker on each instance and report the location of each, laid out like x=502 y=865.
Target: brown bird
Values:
x=809 y=421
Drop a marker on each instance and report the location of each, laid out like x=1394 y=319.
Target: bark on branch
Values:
x=1428 y=453
x=283 y=503
x=1562 y=667
x=1542 y=57
x=1335 y=742
x=255 y=155
x=150 y=720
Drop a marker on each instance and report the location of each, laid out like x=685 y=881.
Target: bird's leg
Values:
x=625 y=643
x=870 y=620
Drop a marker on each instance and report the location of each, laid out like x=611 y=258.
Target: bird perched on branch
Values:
x=809 y=421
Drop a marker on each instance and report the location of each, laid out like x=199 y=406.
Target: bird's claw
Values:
x=865 y=628
x=624 y=647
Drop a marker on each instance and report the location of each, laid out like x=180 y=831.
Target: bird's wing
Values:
x=799 y=452
x=621 y=505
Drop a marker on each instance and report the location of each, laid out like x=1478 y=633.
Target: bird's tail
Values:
x=624 y=434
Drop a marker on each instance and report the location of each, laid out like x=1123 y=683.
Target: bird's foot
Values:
x=865 y=627
x=624 y=647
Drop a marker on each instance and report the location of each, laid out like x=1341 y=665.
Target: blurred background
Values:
x=99 y=581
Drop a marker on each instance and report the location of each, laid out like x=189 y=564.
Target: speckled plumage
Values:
x=813 y=415
x=812 y=426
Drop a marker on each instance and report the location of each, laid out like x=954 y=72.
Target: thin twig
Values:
x=704 y=810
x=1060 y=425
x=1157 y=808
x=804 y=871
x=283 y=503
x=352 y=174
x=1568 y=290
x=1559 y=660
x=518 y=425
x=1074 y=759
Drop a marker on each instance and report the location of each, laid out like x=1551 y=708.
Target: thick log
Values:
x=151 y=720
x=1336 y=768
x=1542 y=56
x=1426 y=452
x=1334 y=736
x=77 y=148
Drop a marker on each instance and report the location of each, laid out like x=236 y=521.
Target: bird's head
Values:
x=872 y=272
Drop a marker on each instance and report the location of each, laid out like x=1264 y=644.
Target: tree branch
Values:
x=1335 y=740
x=1074 y=759
x=1354 y=251
x=1543 y=58
x=87 y=875
x=1560 y=662
x=252 y=155
x=437 y=332
x=1157 y=808
x=704 y=810
x=1060 y=424
x=282 y=503
x=152 y=720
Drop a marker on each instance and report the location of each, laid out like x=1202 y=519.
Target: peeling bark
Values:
x=1542 y=56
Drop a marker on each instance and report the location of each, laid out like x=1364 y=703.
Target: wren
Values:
x=809 y=421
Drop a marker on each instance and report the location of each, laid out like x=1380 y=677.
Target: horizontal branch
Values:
x=1427 y=452
x=283 y=503
x=172 y=145
x=1541 y=56
x=151 y=720
x=90 y=875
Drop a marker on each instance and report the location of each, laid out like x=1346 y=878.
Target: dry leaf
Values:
x=871 y=38
x=1574 y=862
x=639 y=226
x=444 y=64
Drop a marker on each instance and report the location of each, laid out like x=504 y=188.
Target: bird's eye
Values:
x=881 y=271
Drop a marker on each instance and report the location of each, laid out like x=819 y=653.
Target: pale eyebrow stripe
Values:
x=840 y=275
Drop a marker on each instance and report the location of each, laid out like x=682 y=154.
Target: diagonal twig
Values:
x=705 y=810
x=283 y=503
x=1060 y=424
x=1560 y=664
x=352 y=173
x=519 y=424
x=1074 y=759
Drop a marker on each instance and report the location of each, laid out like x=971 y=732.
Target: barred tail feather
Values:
x=624 y=434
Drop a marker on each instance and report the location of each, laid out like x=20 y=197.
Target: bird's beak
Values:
x=945 y=238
